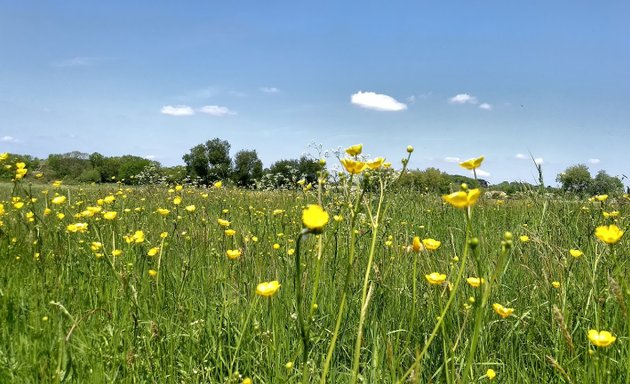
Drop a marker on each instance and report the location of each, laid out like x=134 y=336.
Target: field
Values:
x=109 y=283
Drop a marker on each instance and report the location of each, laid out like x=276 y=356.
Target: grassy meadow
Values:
x=161 y=284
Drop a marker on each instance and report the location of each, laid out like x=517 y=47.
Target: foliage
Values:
x=577 y=179
x=248 y=169
x=210 y=161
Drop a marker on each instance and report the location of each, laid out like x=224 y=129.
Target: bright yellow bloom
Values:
x=611 y=214
x=610 y=234
x=77 y=227
x=376 y=163
x=555 y=284
x=230 y=232
x=354 y=150
x=431 y=244
x=501 y=310
x=218 y=184
x=177 y=200
x=601 y=338
x=247 y=380
x=223 y=223
x=18 y=204
x=152 y=272
x=163 y=211
x=462 y=199
x=233 y=254
x=267 y=289
x=96 y=245
x=353 y=166
x=524 y=238
x=47 y=211
x=190 y=208
x=314 y=218
x=58 y=200
x=111 y=215
x=601 y=197
x=491 y=374
x=435 y=278
x=163 y=235
x=4 y=156
x=153 y=251
x=475 y=281
x=416 y=245
x=575 y=253
x=137 y=237
x=109 y=199
x=60 y=215
x=178 y=188
x=116 y=252
x=472 y=163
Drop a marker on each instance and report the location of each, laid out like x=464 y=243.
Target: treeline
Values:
x=211 y=161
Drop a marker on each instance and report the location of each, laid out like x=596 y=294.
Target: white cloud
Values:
x=485 y=106
x=377 y=102
x=177 y=110
x=79 y=61
x=482 y=173
x=463 y=98
x=9 y=139
x=521 y=156
x=149 y=157
x=216 y=110
x=452 y=159
x=269 y=89
x=539 y=160
x=594 y=161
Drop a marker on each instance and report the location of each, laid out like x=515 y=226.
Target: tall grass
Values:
x=69 y=313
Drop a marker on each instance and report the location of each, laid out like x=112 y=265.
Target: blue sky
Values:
x=454 y=79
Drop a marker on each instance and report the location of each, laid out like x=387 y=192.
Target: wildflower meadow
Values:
x=348 y=280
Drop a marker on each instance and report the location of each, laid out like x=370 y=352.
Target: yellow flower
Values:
x=475 y=281
x=178 y=188
x=47 y=211
x=18 y=204
x=77 y=227
x=56 y=183
x=276 y=246
x=435 y=278
x=4 y=156
x=267 y=289
x=314 y=218
x=575 y=253
x=601 y=197
x=491 y=374
x=555 y=284
x=137 y=237
x=60 y=215
x=376 y=163
x=223 y=223
x=611 y=214
x=58 y=200
x=153 y=251
x=609 y=234
x=96 y=245
x=152 y=272
x=233 y=254
x=109 y=199
x=337 y=218
x=524 y=238
x=230 y=232
x=163 y=211
x=247 y=380
x=353 y=166
x=462 y=199
x=354 y=150
x=177 y=200
x=472 y=163
x=501 y=310
x=218 y=184
x=116 y=252
x=111 y=215
x=601 y=338
x=163 y=235
x=416 y=245
x=190 y=208
x=431 y=244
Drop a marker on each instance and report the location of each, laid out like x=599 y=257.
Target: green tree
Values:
x=283 y=173
x=606 y=184
x=210 y=161
x=575 y=179
x=247 y=168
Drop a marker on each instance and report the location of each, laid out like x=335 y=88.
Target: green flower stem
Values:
x=437 y=326
x=364 y=292
x=299 y=298
x=344 y=296
x=241 y=336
